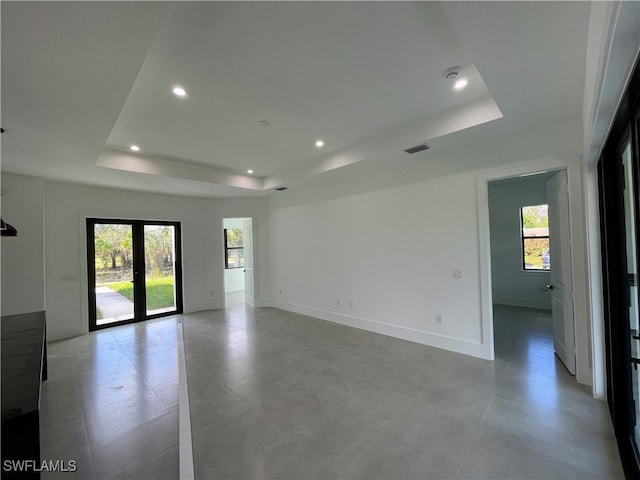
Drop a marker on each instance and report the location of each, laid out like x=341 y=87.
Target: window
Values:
x=233 y=248
x=535 y=237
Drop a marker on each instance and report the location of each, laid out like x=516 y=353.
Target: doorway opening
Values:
x=134 y=271
x=238 y=261
x=533 y=325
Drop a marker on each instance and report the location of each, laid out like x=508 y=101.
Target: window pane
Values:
x=113 y=243
x=536 y=253
x=235 y=258
x=234 y=237
x=159 y=262
x=535 y=221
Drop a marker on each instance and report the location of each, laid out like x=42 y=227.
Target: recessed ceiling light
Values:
x=319 y=143
x=179 y=91
x=460 y=84
x=249 y=171
x=263 y=123
x=135 y=148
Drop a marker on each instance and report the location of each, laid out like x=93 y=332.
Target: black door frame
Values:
x=616 y=282
x=139 y=290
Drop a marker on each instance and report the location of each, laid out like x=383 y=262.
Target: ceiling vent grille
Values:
x=417 y=148
x=282 y=189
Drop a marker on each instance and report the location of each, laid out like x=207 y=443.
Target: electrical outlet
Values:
x=211 y=292
x=338 y=301
x=457 y=274
x=439 y=319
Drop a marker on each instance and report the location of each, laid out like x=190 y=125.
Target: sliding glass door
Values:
x=633 y=338
x=619 y=178
x=134 y=270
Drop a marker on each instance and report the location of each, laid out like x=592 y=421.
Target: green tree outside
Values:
x=536 y=216
x=114 y=261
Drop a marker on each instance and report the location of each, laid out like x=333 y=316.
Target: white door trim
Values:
x=254 y=250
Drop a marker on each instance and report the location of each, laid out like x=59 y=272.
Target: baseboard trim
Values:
x=203 y=306
x=474 y=349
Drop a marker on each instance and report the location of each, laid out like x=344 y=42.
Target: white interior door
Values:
x=560 y=287
x=247 y=227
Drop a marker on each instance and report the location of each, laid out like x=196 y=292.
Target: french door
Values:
x=134 y=270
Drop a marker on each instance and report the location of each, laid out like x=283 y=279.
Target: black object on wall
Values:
x=8 y=230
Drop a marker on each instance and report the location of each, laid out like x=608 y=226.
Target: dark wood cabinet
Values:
x=24 y=367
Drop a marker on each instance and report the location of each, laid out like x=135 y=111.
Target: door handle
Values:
x=548 y=287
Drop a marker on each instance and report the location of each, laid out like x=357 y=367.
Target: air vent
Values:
x=417 y=148
x=282 y=189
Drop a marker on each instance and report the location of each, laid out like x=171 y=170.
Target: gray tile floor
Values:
x=279 y=395
x=110 y=403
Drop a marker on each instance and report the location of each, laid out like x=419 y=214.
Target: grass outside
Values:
x=535 y=261
x=159 y=291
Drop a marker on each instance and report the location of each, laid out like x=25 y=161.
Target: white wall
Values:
x=385 y=243
x=612 y=49
x=234 y=277
x=23 y=256
x=68 y=205
x=512 y=285
x=384 y=261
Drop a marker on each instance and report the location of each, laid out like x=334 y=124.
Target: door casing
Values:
x=252 y=252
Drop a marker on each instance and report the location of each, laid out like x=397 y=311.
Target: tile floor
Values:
x=279 y=395
x=110 y=403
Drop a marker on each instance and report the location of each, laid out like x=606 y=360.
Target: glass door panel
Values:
x=113 y=260
x=159 y=271
x=632 y=279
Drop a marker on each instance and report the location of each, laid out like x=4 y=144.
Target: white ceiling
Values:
x=82 y=81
